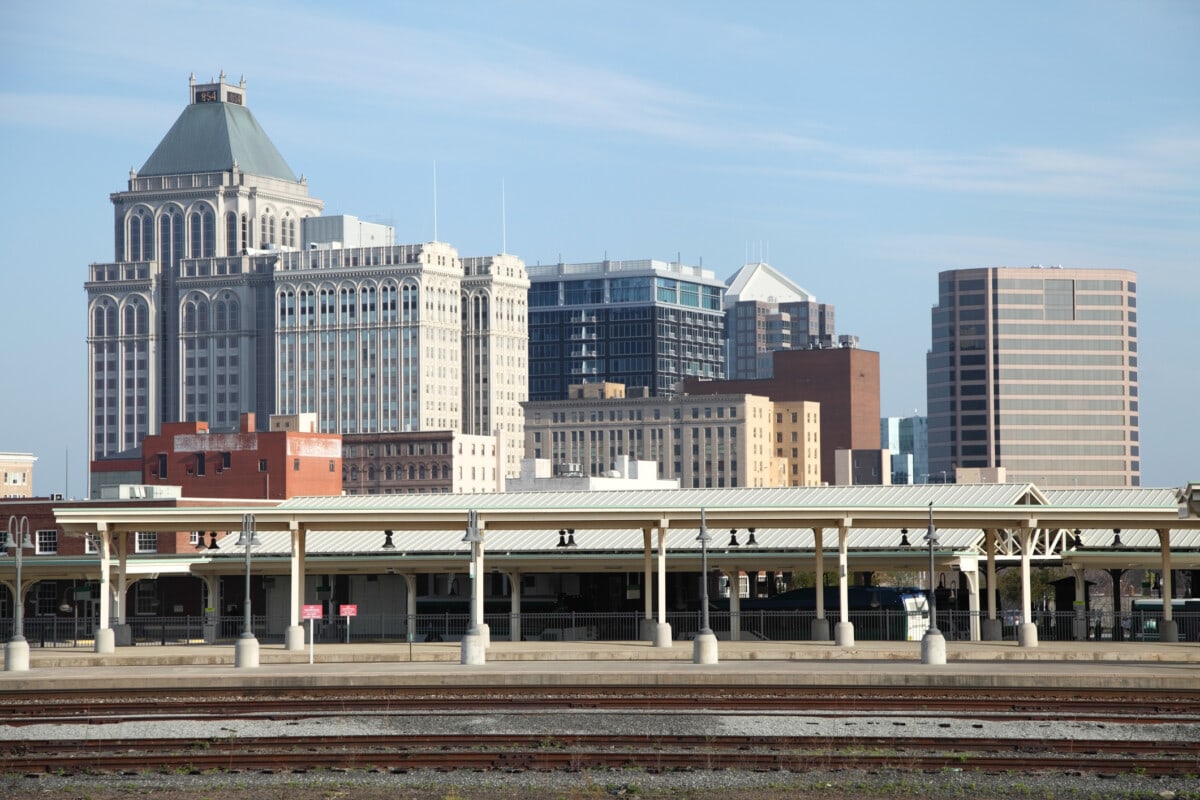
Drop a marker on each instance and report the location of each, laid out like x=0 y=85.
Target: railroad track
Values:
x=532 y=753
x=1082 y=706
x=1149 y=750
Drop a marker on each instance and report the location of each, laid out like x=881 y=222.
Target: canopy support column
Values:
x=1168 y=628
x=106 y=639
x=1027 y=635
x=844 y=632
x=293 y=637
x=662 y=631
x=992 y=629
x=819 y=630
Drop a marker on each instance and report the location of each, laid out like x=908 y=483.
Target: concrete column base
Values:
x=843 y=634
x=514 y=627
x=485 y=632
x=474 y=652
x=1168 y=630
x=106 y=641
x=819 y=631
x=1027 y=635
x=647 y=630
x=16 y=656
x=123 y=635
x=993 y=630
x=933 y=648
x=662 y=634
x=293 y=637
x=245 y=653
x=704 y=648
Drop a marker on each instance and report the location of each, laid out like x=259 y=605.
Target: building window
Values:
x=145 y=542
x=196 y=538
x=145 y=597
x=46 y=599
x=295 y=465
x=262 y=465
x=331 y=468
x=200 y=464
x=91 y=545
x=47 y=543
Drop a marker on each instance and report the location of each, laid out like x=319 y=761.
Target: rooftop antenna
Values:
x=435 y=200
x=503 y=221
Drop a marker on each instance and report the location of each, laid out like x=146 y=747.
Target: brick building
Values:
x=844 y=380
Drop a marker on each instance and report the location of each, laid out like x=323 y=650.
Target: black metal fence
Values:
x=877 y=625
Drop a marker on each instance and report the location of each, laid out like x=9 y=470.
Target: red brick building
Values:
x=289 y=460
x=844 y=380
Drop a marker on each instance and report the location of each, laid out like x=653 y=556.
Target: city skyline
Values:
x=860 y=149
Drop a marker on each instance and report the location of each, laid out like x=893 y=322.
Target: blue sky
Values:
x=860 y=147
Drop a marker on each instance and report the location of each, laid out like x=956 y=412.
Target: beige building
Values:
x=421 y=462
x=1036 y=370
x=703 y=441
x=17 y=471
x=798 y=441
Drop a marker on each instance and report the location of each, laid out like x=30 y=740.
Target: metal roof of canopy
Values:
x=960 y=506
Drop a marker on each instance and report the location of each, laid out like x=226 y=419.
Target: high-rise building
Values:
x=766 y=312
x=230 y=294
x=641 y=323
x=1036 y=370
x=907 y=440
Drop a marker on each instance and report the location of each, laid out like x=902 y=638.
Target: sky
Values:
x=858 y=147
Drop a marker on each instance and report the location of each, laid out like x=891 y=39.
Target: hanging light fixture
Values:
x=904 y=538
x=1117 y=538
x=733 y=542
x=562 y=537
x=571 y=537
x=751 y=542
x=388 y=544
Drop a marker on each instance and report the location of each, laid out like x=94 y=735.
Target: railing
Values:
x=755 y=625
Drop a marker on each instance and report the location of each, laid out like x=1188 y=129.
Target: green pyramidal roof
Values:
x=212 y=137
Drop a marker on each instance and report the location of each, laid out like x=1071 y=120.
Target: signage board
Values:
x=311 y=611
x=348 y=610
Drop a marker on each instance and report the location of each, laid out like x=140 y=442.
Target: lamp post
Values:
x=933 y=644
x=474 y=649
x=704 y=648
x=16 y=651
x=245 y=653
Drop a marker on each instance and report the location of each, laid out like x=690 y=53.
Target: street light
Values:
x=246 y=650
x=933 y=644
x=704 y=649
x=473 y=647
x=16 y=652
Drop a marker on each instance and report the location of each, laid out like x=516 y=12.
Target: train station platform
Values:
x=1153 y=666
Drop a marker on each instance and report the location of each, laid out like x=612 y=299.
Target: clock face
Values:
x=206 y=96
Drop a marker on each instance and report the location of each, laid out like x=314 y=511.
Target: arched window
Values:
x=231 y=234
x=170 y=237
x=129 y=324
x=143 y=319
x=235 y=315
x=141 y=236
x=421 y=472
x=220 y=316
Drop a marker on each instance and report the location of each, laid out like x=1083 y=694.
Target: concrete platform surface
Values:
x=999 y=664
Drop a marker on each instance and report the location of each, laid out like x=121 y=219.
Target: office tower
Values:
x=230 y=294
x=907 y=439
x=1035 y=370
x=765 y=312
x=641 y=323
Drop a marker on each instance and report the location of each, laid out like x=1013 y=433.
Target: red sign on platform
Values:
x=348 y=610
x=311 y=612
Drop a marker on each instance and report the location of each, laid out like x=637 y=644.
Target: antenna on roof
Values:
x=435 y=200
x=503 y=221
